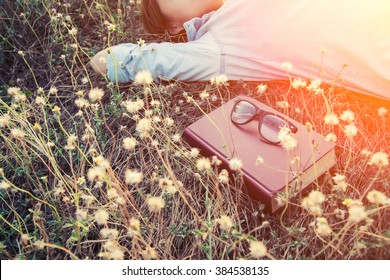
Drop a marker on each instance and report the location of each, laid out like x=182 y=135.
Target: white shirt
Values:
x=250 y=39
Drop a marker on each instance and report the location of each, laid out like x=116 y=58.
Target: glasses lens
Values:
x=242 y=112
x=270 y=127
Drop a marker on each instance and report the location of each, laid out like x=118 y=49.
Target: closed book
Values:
x=267 y=168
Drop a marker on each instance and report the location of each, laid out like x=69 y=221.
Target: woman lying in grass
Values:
x=255 y=40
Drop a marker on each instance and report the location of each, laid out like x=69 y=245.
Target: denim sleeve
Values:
x=192 y=61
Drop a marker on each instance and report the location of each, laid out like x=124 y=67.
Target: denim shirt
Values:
x=332 y=40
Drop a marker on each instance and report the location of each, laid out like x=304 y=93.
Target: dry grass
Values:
x=64 y=189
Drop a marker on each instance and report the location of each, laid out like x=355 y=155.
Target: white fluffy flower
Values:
x=133 y=106
x=287 y=139
x=257 y=249
x=379 y=159
x=95 y=94
x=235 y=164
x=203 y=164
x=331 y=119
x=143 y=77
x=347 y=116
x=129 y=143
x=133 y=177
x=101 y=216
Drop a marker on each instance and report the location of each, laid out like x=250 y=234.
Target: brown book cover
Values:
x=216 y=134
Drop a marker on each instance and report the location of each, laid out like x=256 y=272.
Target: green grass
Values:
x=64 y=190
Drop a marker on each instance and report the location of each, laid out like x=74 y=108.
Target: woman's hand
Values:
x=99 y=62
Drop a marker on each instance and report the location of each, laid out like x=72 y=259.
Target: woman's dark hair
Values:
x=152 y=18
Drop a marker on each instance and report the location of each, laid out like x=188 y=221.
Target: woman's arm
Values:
x=192 y=61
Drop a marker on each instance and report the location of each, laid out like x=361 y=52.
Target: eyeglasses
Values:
x=270 y=124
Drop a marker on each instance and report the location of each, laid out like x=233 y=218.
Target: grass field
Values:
x=94 y=170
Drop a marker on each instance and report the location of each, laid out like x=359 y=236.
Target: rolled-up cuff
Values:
x=118 y=61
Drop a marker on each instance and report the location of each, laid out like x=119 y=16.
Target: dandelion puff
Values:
x=262 y=88
x=219 y=80
x=101 y=217
x=194 y=152
x=5 y=120
x=73 y=31
x=298 y=83
x=81 y=103
x=282 y=104
x=287 y=139
x=101 y=161
x=155 y=103
x=39 y=100
x=259 y=160
x=377 y=197
x=356 y=213
x=112 y=193
x=235 y=164
x=71 y=142
x=84 y=80
x=133 y=177
x=150 y=254
x=176 y=137
x=165 y=183
x=155 y=204
x=225 y=222
x=95 y=94
x=316 y=197
x=379 y=159
x=350 y=130
x=109 y=233
x=204 y=95
x=144 y=125
x=323 y=228
x=215 y=161
x=203 y=164
x=331 y=119
x=17 y=133
x=223 y=176
x=338 y=178
x=134 y=106
x=366 y=153
x=4 y=185
x=96 y=173
x=14 y=90
x=257 y=249
x=313 y=202
x=347 y=116
x=129 y=143
x=19 y=98
x=382 y=111
x=81 y=214
x=169 y=122
x=53 y=90
x=143 y=77
x=135 y=224
x=314 y=85
x=331 y=137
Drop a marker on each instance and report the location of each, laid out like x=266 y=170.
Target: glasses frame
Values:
x=260 y=114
